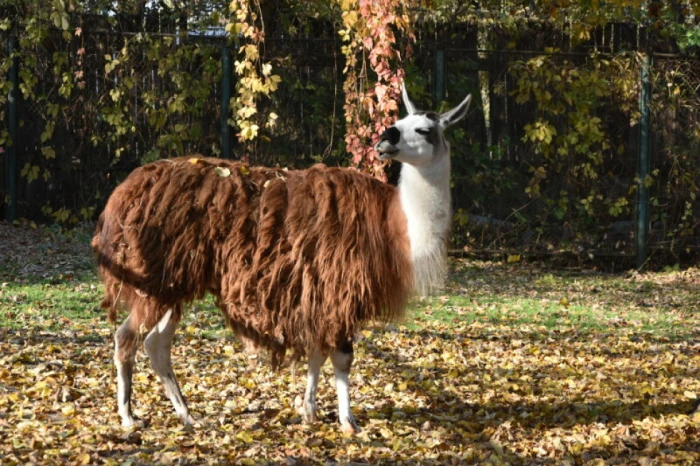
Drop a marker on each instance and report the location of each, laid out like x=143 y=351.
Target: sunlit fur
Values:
x=295 y=259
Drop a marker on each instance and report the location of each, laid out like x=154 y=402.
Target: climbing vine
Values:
x=573 y=140
x=255 y=77
x=371 y=99
x=106 y=86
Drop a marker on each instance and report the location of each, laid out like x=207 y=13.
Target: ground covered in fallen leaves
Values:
x=515 y=364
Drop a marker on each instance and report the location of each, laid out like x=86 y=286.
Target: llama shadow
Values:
x=566 y=414
x=487 y=424
x=31 y=336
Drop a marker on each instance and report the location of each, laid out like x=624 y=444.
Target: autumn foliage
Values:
x=371 y=104
x=546 y=160
x=516 y=363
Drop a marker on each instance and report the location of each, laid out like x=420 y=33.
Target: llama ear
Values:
x=410 y=108
x=453 y=116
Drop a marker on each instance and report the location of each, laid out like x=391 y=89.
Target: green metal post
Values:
x=227 y=72
x=11 y=172
x=439 y=77
x=643 y=164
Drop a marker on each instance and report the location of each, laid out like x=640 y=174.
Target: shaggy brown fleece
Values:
x=296 y=259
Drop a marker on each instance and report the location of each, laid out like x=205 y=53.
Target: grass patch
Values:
x=505 y=295
x=49 y=302
x=662 y=304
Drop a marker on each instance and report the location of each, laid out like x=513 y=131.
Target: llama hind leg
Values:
x=158 y=344
x=342 y=362
x=309 y=409
x=126 y=343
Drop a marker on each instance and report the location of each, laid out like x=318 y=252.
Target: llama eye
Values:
x=423 y=131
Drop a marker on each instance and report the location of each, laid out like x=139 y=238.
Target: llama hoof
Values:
x=349 y=427
x=133 y=423
x=191 y=423
x=308 y=414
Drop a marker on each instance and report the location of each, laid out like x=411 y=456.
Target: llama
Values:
x=296 y=260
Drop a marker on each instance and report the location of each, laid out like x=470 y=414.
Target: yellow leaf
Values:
x=194 y=160
x=244 y=437
x=564 y=302
x=690 y=395
x=83 y=458
x=249 y=132
x=513 y=258
x=245 y=171
x=349 y=18
x=68 y=410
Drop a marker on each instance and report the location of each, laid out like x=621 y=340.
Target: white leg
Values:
x=308 y=408
x=158 y=344
x=126 y=343
x=342 y=361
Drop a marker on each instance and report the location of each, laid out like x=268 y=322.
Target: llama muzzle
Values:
x=386 y=150
x=386 y=147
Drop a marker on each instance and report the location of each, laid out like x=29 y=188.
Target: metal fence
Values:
x=492 y=163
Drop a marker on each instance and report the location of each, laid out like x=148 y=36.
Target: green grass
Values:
x=49 y=302
x=580 y=301
x=64 y=289
x=551 y=315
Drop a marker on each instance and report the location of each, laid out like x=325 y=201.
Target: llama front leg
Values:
x=158 y=344
x=126 y=343
x=309 y=408
x=342 y=362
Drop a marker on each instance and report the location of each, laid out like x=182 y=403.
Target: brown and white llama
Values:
x=296 y=260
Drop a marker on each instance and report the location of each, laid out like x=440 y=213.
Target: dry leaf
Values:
x=223 y=172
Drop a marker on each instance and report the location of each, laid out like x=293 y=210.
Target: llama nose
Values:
x=392 y=135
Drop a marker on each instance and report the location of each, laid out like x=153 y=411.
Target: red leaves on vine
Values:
x=371 y=108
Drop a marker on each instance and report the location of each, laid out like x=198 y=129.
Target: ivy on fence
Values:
x=107 y=86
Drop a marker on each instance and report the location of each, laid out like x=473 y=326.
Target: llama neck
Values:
x=426 y=202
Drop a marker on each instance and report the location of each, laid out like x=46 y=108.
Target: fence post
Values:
x=11 y=172
x=643 y=163
x=439 y=77
x=226 y=72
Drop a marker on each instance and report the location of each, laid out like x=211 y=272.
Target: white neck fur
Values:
x=426 y=202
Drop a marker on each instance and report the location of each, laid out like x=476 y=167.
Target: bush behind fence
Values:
x=547 y=159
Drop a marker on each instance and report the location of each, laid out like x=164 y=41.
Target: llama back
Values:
x=331 y=252
x=295 y=259
x=156 y=240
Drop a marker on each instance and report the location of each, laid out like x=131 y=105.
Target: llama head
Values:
x=418 y=138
